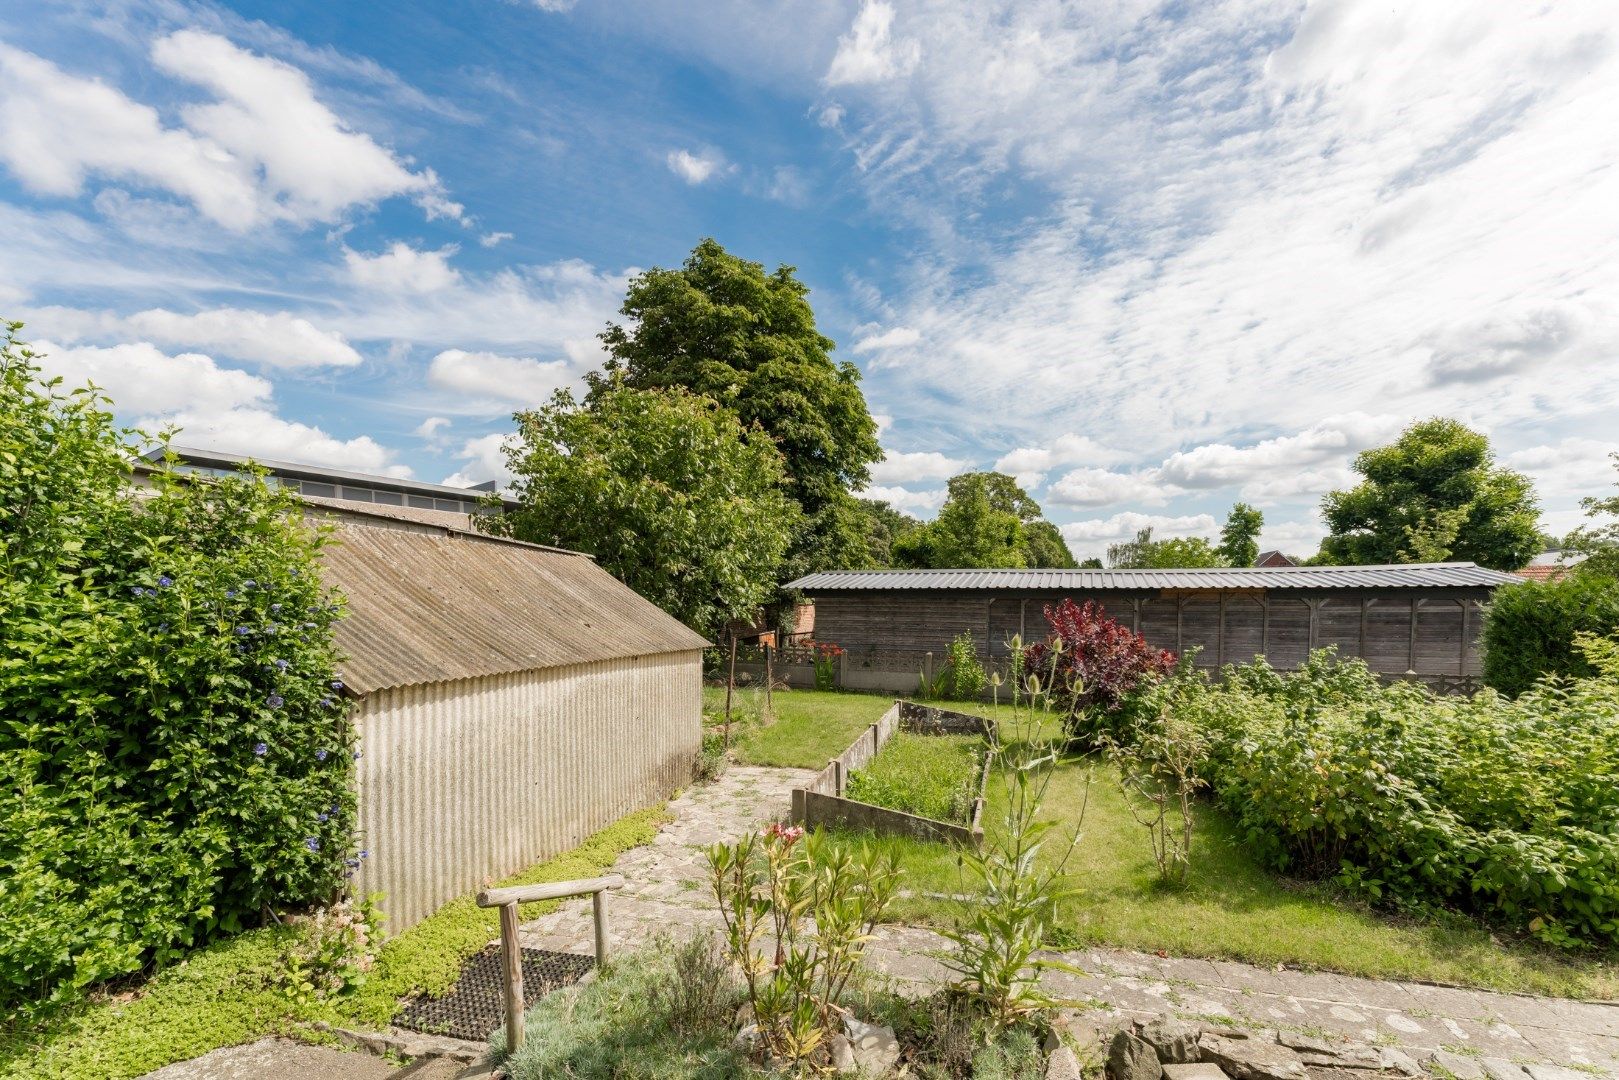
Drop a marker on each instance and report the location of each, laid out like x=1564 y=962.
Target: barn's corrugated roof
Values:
x=1412 y=575
x=429 y=607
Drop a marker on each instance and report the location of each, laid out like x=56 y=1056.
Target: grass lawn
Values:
x=1230 y=908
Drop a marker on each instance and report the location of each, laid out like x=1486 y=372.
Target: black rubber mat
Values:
x=475 y=1005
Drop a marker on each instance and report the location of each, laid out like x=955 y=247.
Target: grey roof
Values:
x=1411 y=575
x=432 y=606
x=220 y=459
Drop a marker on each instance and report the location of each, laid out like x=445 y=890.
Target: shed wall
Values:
x=1434 y=632
x=466 y=782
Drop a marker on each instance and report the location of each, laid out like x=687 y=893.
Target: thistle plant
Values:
x=1014 y=883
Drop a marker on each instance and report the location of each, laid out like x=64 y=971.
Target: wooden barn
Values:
x=1422 y=619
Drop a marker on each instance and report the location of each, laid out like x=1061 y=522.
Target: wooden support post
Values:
x=598 y=904
x=730 y=688
x=770 y=680
x=927 y=672
x=843 y=669
x=511 y=959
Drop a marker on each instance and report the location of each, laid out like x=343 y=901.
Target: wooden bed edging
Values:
x=822 y=802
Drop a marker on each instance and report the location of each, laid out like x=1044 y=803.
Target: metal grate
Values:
x=475 y=1005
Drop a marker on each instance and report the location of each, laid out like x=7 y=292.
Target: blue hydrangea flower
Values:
x=165 y=581
x=320 y=755
x=312 y=843
x=275 y=701
x=260 y=749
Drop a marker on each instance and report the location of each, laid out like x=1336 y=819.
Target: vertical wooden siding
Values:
x=1431 y=632
x=462 y=783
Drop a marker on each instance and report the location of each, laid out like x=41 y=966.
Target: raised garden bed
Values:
x=830 y=799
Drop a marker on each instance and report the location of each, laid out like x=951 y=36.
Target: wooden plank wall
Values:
x=1428 y=631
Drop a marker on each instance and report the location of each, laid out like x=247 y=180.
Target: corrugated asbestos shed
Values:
x=512 y=699
x=425 y=608
x=1419 y=620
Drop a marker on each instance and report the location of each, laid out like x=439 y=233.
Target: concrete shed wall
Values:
x=462 y=783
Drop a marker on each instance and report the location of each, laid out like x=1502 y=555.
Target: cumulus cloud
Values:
x=1090 y=537
x=485 y=459
x=1099 y=487
x=403 y=269
x=493 y=239
x=1567 y=471
x=1221 y=465
x=1030 y=464
x=432 y=426
x=695 y=168
x=213 y=407
x=501 y=380
x=279 y=339
x=1504 y=343
x=903 y=498
x=265 y=149
x=896 y=468
x=870 y=52
x=897 y=338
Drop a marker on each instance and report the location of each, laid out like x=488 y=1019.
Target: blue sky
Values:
x=1150 y=257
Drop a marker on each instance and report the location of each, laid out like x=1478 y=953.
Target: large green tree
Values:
x=722 y=327
x=1434 y=494
x=885 y=525
x=1239 y=539
x=987 y=521
x=668 y=490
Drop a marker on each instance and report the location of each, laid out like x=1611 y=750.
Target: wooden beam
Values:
x=511 y=962
x=551 y=890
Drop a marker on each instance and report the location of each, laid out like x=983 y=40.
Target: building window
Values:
x=356 y=494
x=390 y=498
x=320 y=491
x=454 y=506
x=421 y=502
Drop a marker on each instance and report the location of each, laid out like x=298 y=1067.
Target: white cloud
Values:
x=1030 y=464
x=869 y=52
x=1405 y=210
x=829 y=116
x=898 y=338
x=695 y=168
x=279 y=339
x=485 y=459
x=918 y=502
x=1091 y=536
x=493 y=239
x=264 y=150
x=403 y=269
x=501 y=380
x=213 y=407
x=1567 y=471
x=898 y=468
x=432 y=426
x=1099 y=487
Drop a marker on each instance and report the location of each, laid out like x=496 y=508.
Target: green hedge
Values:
x=1504 y=808
x=175 y=752
x=1530 y=629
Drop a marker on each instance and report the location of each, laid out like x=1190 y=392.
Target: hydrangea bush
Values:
x=175 y=748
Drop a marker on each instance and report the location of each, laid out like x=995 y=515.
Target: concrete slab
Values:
x=278 y=1059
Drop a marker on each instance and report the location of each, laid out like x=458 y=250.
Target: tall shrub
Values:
x=1530 y=629
x=1092 y=665
x=174 y=750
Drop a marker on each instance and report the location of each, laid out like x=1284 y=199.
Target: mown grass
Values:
x=1231 y=906
x=227 y=993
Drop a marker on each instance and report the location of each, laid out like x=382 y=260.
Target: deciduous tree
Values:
x=1434 y=494
x=1239 y=540
x=667 y=489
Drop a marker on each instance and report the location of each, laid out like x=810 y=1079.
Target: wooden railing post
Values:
x=511 y=948
x=511 y=963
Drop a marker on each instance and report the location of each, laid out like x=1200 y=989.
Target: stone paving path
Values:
x=667 y=890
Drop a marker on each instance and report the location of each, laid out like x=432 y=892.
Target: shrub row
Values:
x=1530 y=628
x=1505 y=808
x=174 y=748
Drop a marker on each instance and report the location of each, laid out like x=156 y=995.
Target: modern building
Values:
x=1421 y=619
x=322 y=482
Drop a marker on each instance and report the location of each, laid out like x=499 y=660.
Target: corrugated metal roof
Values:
x=1412 y=575
x=426 y=607
x=432 y=520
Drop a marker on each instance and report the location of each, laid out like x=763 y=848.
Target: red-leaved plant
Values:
x=1092 y=664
